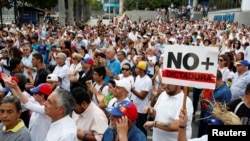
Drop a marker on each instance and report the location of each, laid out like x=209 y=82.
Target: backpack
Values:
x=101 y=88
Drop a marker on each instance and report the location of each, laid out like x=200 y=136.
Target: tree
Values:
x=83 y=11
x=71 y=11
x=151 y=4
x=61 y=10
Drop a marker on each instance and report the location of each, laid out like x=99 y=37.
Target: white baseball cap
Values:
x=52 y=77
x=123 y=83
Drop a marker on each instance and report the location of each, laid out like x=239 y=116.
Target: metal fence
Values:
x=224 y=4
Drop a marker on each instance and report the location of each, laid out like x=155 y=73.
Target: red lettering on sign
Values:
x=189 y=76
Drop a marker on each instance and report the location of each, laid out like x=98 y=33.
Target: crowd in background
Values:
x=97 y=57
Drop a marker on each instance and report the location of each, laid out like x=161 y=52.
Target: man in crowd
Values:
x=141 y=93
x=53 y=81
x=41 y=72
x=240 y=79
x=90 y=120
x=241 y=106
x=62 y=71
x=165 y=113
x=112 y=65
x=12 y=128
x=59 y=107
x=123 y=87
x=122 y=123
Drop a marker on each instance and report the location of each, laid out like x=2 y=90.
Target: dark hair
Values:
x=84 y=48
x=218 y=75
x=112 y=82
x=127 y=64
x=207 y=40
x=17 y=53
x=100 y=70
x=14 y=62
x=12 y=99
x=239 y=44
x=102 y=55
x=38 y=56
x=247 y=91
x=67 y=44
x=80 y=95
x=226 y=59
x=135 y=51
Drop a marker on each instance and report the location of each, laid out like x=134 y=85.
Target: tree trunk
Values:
x=86 y=12
x=78 y=10
x=61 y=9
x=70 y=11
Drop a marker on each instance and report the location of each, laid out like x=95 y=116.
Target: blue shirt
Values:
x=134 y=134
x=239 y=84
x=79 y=44
x=114 y=67
x=222 y=94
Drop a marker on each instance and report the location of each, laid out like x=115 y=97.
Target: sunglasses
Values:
x=220 y=60
x=125 y=69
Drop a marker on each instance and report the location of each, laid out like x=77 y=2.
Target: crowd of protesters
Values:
x=113 y=76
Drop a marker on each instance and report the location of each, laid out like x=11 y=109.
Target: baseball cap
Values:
x=214 y=121
x=242 y=62
x=43 y=88
x=88 y=60
x=143 y=65
x=123 y=83
x=124 y=108
x=52 y=77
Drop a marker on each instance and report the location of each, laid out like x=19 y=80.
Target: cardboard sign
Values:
x=190 y=66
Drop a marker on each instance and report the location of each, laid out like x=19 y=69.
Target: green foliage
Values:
x=151 y=4
x=96 y=5
x=42 y=3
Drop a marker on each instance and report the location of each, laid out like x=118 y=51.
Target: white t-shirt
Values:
x=76 y=67
x=153 y=60
x=167 y=110
x=225 y=74
x=142 y=84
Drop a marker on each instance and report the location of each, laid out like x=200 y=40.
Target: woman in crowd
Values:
x=76 y=65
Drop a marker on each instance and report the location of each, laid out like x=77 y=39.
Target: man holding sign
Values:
x=182 y=66
x=166 y=114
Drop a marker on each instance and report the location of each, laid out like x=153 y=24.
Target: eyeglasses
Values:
x=221 y=60
x=127 y=69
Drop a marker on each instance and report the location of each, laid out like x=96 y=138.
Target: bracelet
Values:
x=183 y=127
x=154 y=125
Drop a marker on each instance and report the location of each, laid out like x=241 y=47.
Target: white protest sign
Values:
x=190 y=66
